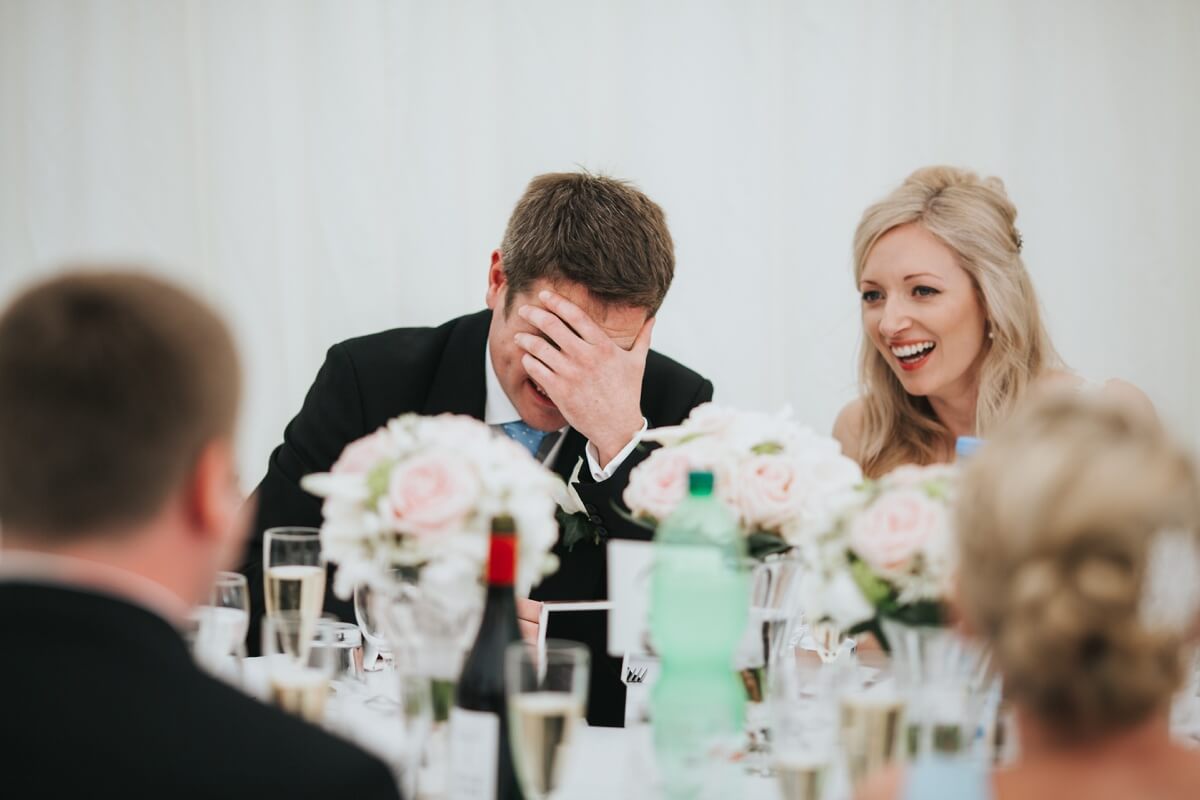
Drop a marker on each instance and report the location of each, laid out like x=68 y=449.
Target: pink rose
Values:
x=432 y=493
x=912 y=475
x=658 y=484
x=362 y=455
x=893 y=529
x=772 y=490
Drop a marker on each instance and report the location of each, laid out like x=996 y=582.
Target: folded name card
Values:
x=630 y=564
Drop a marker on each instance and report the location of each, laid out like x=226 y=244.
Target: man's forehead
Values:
x=616 y=319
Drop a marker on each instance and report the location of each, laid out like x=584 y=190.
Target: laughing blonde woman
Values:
x=953 y=337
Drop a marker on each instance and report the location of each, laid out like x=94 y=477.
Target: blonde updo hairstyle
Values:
x=976 y=220
x=1056 y=517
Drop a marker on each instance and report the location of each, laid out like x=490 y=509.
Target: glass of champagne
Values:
x=220 y=626
x=547 y=693
x=294 y=572
x=300 y=657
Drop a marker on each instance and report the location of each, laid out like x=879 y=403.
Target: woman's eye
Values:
x=925 y=291
x=871 y=295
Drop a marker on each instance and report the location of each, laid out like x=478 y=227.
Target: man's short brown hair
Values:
x=596 y=231
x=111 y=383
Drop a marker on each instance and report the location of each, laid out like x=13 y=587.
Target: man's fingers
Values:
x=641 y=345
x=542 y=375
x=529 y=631
x=566 y=339
x=529 y=609
x=575 y=316
x=542 y=350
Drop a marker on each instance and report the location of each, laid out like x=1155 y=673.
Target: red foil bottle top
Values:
x=502 y=559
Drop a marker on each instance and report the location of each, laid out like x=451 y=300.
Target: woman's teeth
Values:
x=911 y=352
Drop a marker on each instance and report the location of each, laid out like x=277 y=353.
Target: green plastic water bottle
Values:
x=699 y=605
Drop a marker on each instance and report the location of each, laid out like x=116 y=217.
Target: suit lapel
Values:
x=459 y=385
x=570 y=452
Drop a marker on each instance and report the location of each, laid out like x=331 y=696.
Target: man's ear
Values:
x=213 y=496
x=497 y=282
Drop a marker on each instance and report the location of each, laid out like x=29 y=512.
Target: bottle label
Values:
x=474 y=754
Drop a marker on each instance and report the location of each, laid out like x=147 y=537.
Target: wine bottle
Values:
x=481 y=764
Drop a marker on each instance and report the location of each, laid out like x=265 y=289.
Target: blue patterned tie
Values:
x=522 y=434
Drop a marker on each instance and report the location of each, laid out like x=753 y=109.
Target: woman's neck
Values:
x=956 y=410
x=1138 y=743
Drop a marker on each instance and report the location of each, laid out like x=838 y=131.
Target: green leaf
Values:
x=937 y=490
x=877 y=591
x=923 y=613
x=377 y=481
x=641 y=522
x=761 y=544
x=575 y=529
x=767 y=449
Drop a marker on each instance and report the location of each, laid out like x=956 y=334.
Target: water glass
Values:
x=218 y=632
x=369 y=613
x=773 y=615
x=546 y=701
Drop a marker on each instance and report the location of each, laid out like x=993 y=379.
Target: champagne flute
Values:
x=300 y=661
x=546 y=699
x=294 y=572
x=804 y=727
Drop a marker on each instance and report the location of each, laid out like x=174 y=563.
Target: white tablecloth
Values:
x=605 y=763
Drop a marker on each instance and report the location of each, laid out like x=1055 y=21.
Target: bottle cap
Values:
x=700 y=483
x=965 y=447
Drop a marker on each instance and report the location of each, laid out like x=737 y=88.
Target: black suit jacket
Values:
x=102 y=699
x=367 y=381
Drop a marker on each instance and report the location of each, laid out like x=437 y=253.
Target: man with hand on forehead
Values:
x=560 y=361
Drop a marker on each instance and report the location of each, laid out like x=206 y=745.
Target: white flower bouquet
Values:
x=781 y=480
x=421 y=493
x=888 y=554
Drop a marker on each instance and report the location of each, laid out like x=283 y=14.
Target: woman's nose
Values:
x=894 y=321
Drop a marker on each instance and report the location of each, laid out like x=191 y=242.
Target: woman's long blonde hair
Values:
x=975 y=219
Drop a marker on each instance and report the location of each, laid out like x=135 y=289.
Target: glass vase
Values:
x=429 y=626
x=948 y=684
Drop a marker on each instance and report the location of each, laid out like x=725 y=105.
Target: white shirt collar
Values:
x=497 y=408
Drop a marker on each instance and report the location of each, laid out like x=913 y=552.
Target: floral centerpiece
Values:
x=420 y=494
x=887 y=554
x=781 y=480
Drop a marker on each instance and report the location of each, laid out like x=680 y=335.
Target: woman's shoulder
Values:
x=848 y=427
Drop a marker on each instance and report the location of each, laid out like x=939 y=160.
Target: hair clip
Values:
x=1020 y=241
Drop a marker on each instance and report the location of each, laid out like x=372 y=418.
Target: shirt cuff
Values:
x=593 y=456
